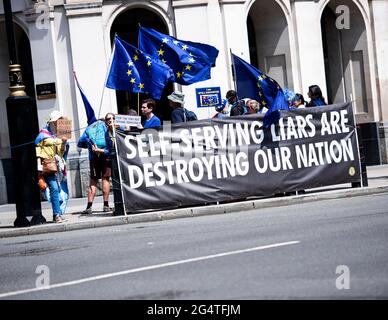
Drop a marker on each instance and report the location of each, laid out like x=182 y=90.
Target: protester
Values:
x=221 y=111
x=315 y=94
x=176 y=101
x=237 y=106
x=252 y=107
x=147 y=110
x=179 y=113
x=298 y=101
x=132 y=112
x=98 y=139
x=51 y=152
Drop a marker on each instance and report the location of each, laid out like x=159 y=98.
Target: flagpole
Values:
x=233 y=71
x=138 y=103
x=120 y=207
x=116 y=158
x=106 y=77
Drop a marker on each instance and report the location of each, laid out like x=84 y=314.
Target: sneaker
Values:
x=64 y=219
x=87 y=211
x=58 y=219
x=107 y=209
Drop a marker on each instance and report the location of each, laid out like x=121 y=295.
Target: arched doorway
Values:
x=346 y=56
x=126 y=27
x=269 y=42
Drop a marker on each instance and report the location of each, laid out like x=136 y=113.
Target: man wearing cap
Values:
x=49 y=147
x=237 y=106
x=177 y=100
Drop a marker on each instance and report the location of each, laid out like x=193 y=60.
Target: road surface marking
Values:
x=156 y=266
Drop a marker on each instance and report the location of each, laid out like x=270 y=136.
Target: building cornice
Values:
x=83 y=9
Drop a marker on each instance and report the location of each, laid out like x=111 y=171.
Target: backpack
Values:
x=96 y=133
x=190 y=115
x=238 y=108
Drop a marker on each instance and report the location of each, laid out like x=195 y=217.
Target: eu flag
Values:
x=190 y=61
x=272 y=116
x=135 y=71
x=88 y=108
x=254 y=84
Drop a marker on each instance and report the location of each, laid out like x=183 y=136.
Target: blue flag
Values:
x=190 y=61
x=254 y=84
x=88 y=108
x=135 y=71
x=273 y=115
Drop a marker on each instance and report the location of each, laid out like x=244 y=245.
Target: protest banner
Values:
x=207 y=161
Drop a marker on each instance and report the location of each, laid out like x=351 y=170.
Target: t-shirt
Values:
x=151 y=123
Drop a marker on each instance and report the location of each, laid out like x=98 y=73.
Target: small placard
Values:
x=46 y=91
x=64 y=128
x=208 y=97
x=132 y=121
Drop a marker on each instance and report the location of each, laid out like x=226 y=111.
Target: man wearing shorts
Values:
x=94 y=138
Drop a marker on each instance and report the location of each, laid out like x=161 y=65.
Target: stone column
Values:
x=380 y=15
x=309 y=38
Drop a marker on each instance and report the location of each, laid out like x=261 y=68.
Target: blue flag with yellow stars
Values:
x=254 y=84
x=190 y=61
x=135 y=71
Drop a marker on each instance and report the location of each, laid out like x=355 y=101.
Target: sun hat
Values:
x=55 y=115
x=177 y=96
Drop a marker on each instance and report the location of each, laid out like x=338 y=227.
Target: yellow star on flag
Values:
x=129 y=72
x=133 y=80
x=184 y=47
x=141 y=85
x=164 y=61
x=178 y=74
x=135 y=58
x=149 y=63
x=130 y=63
x=188 y=67
x=160 y=52
x=260 y=78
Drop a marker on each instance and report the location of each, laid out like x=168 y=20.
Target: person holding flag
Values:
x=190 y=61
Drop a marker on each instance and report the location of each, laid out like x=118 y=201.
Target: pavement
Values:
x=377 y=184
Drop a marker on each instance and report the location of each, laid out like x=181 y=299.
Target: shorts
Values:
x=100 y=167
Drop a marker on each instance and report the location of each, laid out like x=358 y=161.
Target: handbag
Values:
x=49 y=166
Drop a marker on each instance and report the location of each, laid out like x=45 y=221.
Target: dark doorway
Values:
x=24 y=59
x=126 y=27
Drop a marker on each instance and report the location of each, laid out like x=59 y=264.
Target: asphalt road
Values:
x=333 y=249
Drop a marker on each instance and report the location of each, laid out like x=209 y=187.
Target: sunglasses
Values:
x=108 y=119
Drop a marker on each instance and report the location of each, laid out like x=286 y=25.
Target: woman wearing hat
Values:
x=51 y=152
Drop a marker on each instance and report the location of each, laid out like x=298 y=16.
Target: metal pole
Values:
x=10 y=32
x=118 y=195
x=23 y=128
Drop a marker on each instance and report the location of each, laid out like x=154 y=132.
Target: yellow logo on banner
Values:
x=352 y=171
